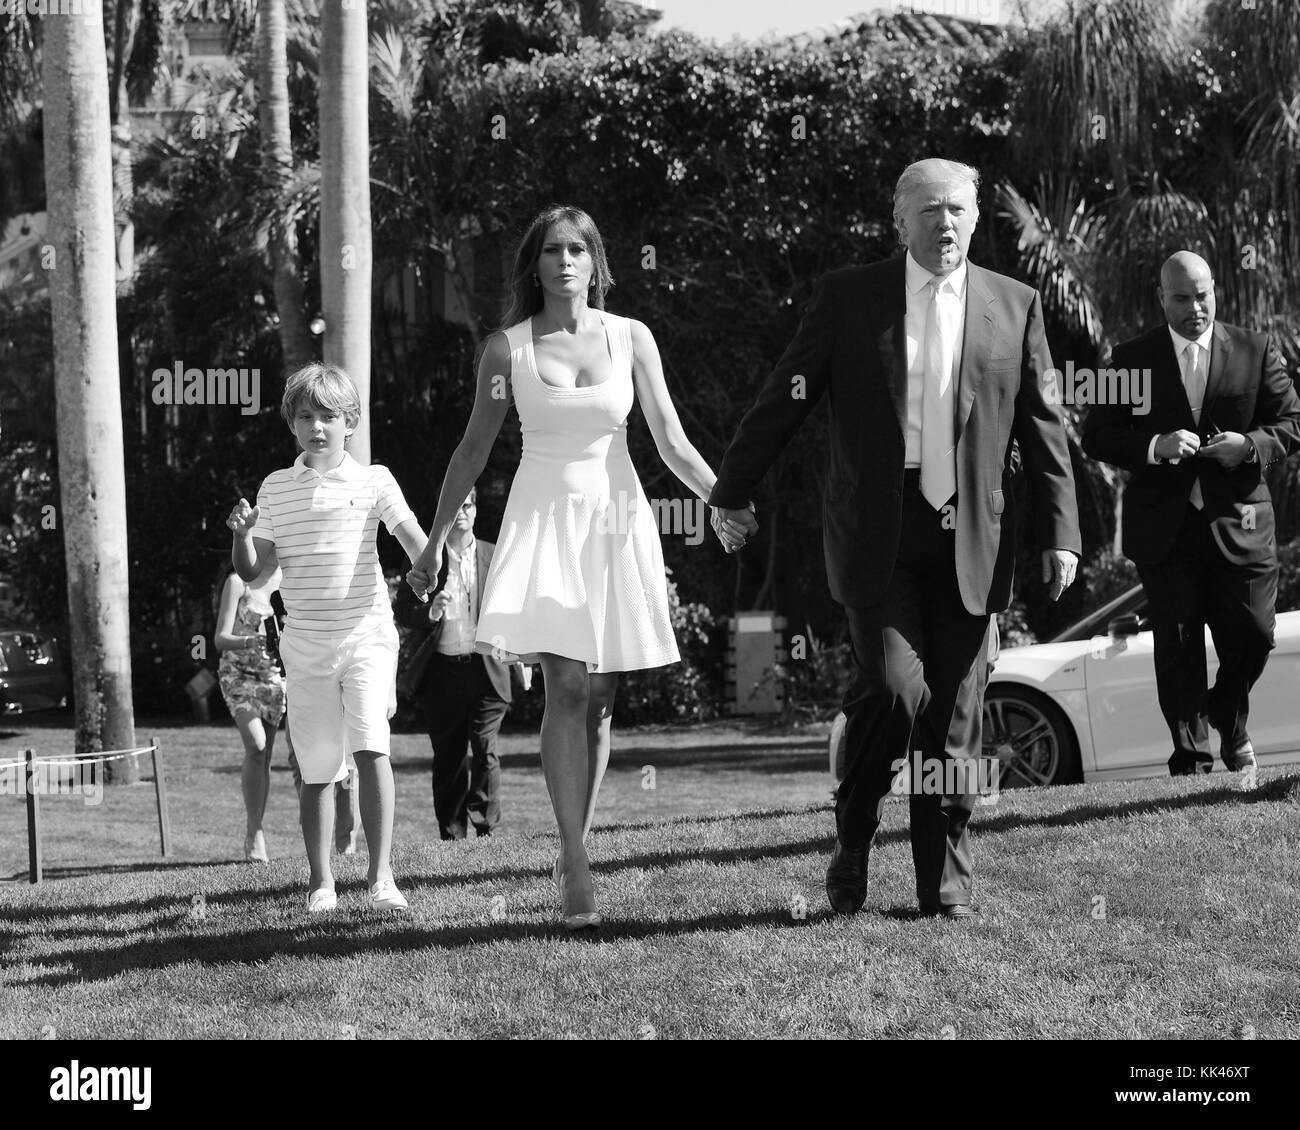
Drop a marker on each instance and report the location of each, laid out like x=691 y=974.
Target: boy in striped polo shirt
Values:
x=319 y=519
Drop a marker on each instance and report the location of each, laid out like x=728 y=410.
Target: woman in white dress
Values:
x=577 y=581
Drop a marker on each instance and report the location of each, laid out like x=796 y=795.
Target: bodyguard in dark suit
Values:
x=464 y=695
x=932 y=366
x=1198 y=517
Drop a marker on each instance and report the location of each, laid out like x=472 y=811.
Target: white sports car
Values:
x=1083 y=707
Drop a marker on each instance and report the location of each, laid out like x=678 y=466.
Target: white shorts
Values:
x=341 y=691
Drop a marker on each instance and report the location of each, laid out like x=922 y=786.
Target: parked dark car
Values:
x=31 y=675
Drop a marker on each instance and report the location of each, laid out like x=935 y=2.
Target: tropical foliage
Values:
x=725 y=179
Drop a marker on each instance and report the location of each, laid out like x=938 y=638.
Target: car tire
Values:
x=1023 y=717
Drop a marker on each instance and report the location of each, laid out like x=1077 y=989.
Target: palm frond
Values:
x=1144 y=229
x=1097 y=75
x=396 y=71
x=1057 y=250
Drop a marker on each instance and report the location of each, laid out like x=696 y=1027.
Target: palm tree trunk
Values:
x=345 y=253
x=277 y=163
x=78 y=166
x=126 y=18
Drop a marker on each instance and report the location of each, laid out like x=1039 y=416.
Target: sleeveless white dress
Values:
x=578 y=570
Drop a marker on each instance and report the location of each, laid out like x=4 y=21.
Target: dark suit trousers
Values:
x=921 y=662
x=463 y=714
x=1191 y=588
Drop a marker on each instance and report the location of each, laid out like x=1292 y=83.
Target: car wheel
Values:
x=1030 y=737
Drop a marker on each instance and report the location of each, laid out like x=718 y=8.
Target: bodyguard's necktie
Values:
x=938 y=459
x=1194 y=380
x=1194 y=383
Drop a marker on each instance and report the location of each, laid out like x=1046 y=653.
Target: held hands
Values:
x=1227 y=449
x=420 y=582
x=734 y=527
x=1058 y=570
x=243 y=518
x=422 y=574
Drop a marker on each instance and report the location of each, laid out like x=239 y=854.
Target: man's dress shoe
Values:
x=846 y=879
x=1243 y=757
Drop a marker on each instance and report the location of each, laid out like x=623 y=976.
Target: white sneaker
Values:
x=384 y=895
x=321 y=899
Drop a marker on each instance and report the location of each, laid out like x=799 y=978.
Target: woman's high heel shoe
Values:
x=255 y=848
x=583 y=920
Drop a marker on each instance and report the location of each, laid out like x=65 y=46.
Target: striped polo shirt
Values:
x=323 y=527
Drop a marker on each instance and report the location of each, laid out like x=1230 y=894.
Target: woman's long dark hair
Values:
x=524 y=296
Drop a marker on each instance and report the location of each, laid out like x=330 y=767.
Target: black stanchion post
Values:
x=160 y=791
x=33 y=818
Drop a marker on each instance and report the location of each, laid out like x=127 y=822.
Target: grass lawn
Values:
x=1152 y=909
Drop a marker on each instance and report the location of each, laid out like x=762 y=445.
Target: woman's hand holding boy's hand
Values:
x=426 y=568
x=420 y=582
x=243 y=518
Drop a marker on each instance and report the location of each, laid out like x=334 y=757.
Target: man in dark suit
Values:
x=932 y=366
x=464 y=695
x=1198 y=517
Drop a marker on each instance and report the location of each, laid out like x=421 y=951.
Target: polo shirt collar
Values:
x=348 y=469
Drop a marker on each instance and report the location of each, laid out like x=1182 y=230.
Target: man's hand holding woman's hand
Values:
x=734 y=527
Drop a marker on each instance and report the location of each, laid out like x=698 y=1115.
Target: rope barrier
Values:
x=106 y=755
x=29 y=761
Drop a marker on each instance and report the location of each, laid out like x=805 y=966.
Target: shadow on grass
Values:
x=19 y=915
x=1281 y=790
x=788 y=757
x=655 y=859
x=118 y=869
x=714 y=818
x=785 y=758
x=296 y=889
x=347 y=935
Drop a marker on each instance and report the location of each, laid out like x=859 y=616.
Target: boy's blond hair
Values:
x=323 y=386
